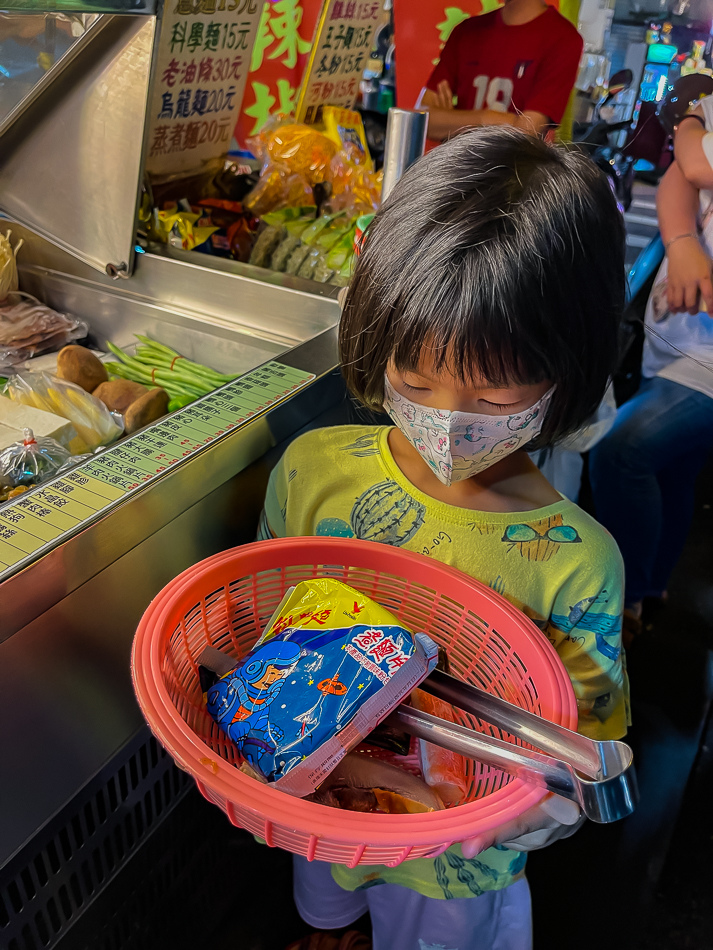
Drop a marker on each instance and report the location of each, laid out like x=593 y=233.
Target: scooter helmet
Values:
x=683 y=94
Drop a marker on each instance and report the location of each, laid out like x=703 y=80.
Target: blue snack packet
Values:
x=304 y=697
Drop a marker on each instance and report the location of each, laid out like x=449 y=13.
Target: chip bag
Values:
x=178 y=228
x=329 y=667
x=345 y=128
x=304 y=150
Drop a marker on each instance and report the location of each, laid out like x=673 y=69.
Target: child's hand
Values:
x=689 y=277
x=553 y=818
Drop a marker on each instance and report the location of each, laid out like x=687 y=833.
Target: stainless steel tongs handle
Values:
x=607 y=793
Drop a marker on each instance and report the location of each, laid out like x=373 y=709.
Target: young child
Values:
x=643 y=473
x=482 y=317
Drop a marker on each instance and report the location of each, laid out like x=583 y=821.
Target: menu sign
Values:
x=203 y=60
x=342 y=43
x=44 y=517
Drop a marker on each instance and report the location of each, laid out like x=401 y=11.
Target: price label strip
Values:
x=40 y=518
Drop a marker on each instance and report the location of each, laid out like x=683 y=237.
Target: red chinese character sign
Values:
x=279 y=58
x=340 y=51
x=204 y=52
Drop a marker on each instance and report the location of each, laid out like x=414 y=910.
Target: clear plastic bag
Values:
x=94 y=423
x=8 y=265
x=301 y=148
x=28 y=328
x=31 y=461
x=278 y=187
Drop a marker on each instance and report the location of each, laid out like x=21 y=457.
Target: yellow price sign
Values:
x=340 y=51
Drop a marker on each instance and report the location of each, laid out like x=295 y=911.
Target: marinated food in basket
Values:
x=327 y=670
x=363 y=783
x=444 y=771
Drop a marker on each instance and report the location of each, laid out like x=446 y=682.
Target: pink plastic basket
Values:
x=226 y=600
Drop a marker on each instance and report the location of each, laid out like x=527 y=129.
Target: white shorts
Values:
x=402 y=919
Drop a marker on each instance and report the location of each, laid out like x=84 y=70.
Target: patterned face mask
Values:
x=457 y=445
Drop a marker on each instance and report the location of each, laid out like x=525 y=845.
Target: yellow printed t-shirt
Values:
x=343 y=482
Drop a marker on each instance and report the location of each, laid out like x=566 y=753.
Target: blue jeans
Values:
x=643 y=475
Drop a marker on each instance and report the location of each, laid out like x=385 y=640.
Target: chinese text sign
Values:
x=204 y=55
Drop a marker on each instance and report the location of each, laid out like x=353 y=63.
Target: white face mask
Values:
x=457 y=445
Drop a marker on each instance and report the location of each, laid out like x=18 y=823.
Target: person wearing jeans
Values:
x=643 y=472
x=643 y=478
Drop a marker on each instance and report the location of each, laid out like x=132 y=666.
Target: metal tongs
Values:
x=599 y=776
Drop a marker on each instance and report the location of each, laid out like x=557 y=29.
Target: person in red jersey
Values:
x=515 y=66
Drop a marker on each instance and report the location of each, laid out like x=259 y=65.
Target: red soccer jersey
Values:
x=530 y=67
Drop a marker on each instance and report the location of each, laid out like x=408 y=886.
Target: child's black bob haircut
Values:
x=505 y=257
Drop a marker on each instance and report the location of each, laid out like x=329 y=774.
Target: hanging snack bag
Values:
x=345 y=128
x=329 y=667
x=31 y=460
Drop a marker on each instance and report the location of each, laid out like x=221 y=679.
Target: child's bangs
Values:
x=467 y=337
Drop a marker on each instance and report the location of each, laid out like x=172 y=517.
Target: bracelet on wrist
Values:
x=688 y=234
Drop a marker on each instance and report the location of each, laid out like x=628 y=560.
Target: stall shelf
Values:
x=82 y=783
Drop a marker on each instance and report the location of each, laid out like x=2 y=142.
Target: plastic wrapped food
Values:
x=284 y=216
x=31 y=460
x=28 y=328
x=329 y=667
x=15 y=418
x=267 y=241
x=297 y=258
x=355 y=186
x=278 y=187
x=340 y=225
x=8 y=265
x=308 y=265
x=302 y=148
x=342 y=277
x=345 y=128
x=342 y=250
x=94 y=423
x=282 y=252
x=322 y=272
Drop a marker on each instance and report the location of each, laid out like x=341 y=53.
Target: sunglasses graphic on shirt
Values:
x=561 y=534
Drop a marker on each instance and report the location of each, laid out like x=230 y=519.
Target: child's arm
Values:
x=689 y=267
x=690 y=151
x=585 y=629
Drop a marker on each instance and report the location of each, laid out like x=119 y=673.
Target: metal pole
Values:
x=405 y=142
